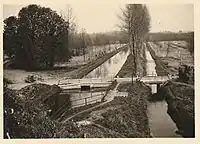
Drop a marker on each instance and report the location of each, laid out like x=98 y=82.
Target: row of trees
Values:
x=135 y=20
x=83 y=39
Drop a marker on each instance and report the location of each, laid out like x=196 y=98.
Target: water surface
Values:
x=111 y=67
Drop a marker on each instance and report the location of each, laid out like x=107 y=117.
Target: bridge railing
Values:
x=87 y=100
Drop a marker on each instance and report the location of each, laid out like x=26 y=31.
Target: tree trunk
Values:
x=29 y=64
x=167 y=49
x=134 y=58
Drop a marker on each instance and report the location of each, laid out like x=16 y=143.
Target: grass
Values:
x=129 y=120
x=176 y=56
x=127 y=68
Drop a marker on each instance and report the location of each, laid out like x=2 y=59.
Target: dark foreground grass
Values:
x=26 y=115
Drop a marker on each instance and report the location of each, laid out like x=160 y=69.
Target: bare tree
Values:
x=83 y=41
x=167 y=49
x=135 y=20
x=67 y=14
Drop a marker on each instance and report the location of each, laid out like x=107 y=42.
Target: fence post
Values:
x=85 y=101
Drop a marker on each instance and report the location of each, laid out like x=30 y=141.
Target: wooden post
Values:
x=158 y=87
x=85 y=101
x=79 y=95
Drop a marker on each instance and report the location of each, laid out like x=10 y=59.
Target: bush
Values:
x=30 y=79
x=186 y=74
x=6 y=81
x=25 y=116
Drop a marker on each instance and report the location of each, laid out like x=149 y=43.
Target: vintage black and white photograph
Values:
x=98 y=70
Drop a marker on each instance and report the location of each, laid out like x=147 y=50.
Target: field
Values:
x=172 y=55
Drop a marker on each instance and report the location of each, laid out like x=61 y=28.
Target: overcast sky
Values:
x=99 y=17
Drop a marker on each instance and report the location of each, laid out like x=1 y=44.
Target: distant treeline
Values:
x=77 y=43
x=170 y=36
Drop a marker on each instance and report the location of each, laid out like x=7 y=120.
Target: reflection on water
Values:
x=111 y=67
x=160 y=122
x=150 y=69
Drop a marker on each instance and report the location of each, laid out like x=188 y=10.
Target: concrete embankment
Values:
x=84 y=70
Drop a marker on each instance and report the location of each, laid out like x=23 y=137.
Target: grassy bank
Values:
x=128 y=67
x=124 y=116
x=130 y=119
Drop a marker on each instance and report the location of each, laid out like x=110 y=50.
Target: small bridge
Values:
x=100 y=82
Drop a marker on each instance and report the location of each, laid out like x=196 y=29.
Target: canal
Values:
x=161 y=124
x=111 y=67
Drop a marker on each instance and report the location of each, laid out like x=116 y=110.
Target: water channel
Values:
x=161 y=124
x=111 y=67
